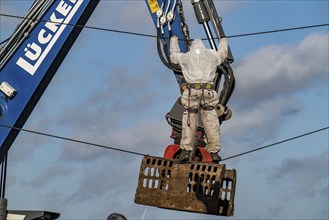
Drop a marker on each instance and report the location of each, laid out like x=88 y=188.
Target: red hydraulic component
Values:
x=206 y=157
x=173 y=150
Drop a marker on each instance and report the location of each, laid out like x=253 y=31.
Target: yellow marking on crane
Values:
x=154 y=6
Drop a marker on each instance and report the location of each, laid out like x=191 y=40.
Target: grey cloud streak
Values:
x=268 y=81
x=280 y=71
x=307 y=177
x=51 y=173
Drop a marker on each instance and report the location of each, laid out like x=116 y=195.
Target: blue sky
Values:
x=112 y=89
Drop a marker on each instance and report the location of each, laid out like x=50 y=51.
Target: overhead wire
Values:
x=82 y=26
x=276 y=143
x=154 y=36
x=141 y=154
x=278 y=30
x=72 y=140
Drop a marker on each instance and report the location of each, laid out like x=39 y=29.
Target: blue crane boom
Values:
x=30 y=60
x=31 y=57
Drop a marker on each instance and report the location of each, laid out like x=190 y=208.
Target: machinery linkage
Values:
x=199 y=185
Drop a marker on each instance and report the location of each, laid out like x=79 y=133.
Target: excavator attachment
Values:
x=197 y=186
x=193 y=187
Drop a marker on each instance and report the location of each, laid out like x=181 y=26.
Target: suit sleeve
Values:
x=174 y=50
x=222 y=51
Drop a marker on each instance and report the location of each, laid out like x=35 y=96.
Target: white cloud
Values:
x=149 y=137
x=260 y=122
x=267 y=84
x=281 y=71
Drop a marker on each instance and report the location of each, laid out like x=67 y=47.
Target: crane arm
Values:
x=31 y=57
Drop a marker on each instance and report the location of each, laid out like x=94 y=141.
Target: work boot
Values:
x=215 y=157
x=184 y=156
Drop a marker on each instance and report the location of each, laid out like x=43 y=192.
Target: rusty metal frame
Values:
x=194 y=187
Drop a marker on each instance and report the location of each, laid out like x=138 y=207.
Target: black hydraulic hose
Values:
x=223 y=93
x=232 y=87
x=165 y=48
x=229 y=83
x=175 y=67
x=225 y=90
x=165 y=59
x=162 y=58
x=4 y=41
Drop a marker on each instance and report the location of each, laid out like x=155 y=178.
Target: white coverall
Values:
x=199 y=65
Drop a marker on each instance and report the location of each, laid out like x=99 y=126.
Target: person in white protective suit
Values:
x=199 y=67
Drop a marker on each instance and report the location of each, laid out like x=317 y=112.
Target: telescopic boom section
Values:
x=31 y=57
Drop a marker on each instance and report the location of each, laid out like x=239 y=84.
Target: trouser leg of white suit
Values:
x=188 y=130
x=211 y=127
x=190 y=99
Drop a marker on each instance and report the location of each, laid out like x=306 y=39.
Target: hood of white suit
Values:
x=197 y=47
